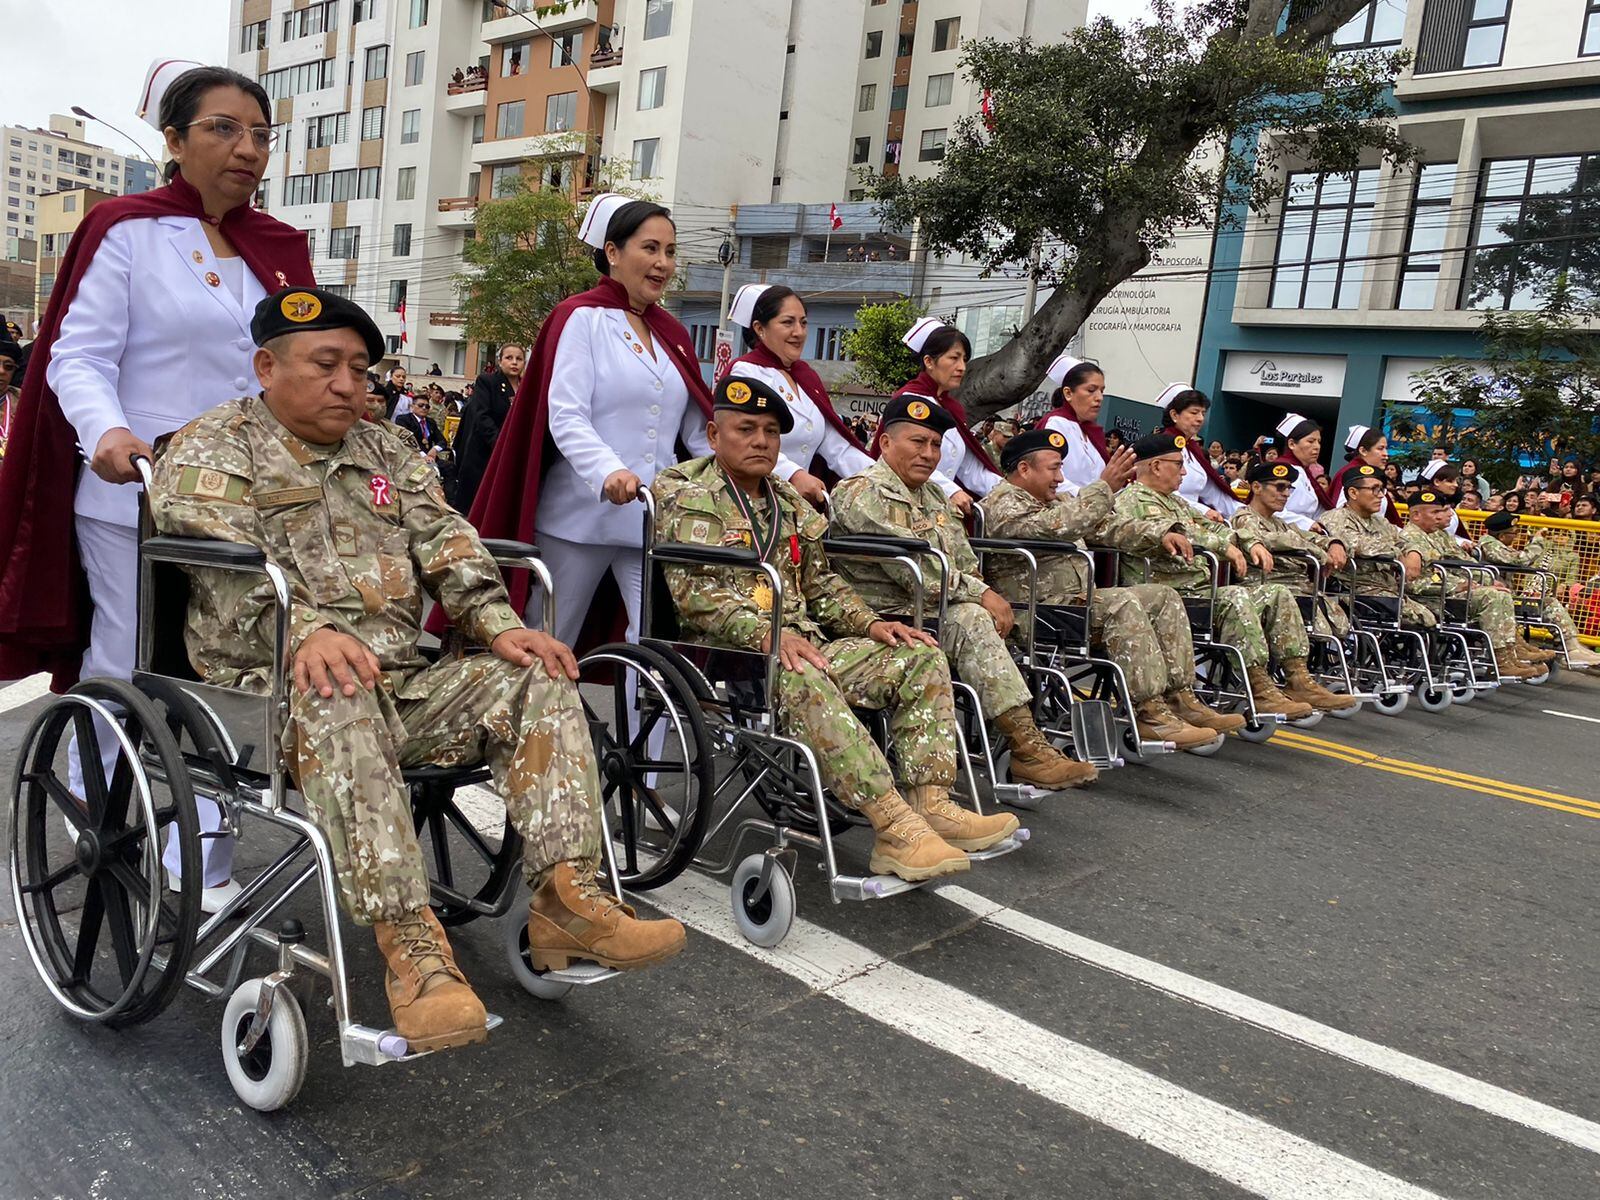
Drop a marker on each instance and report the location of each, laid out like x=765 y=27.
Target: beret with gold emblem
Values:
x=1426 y=496
x=1365 y=471
x=304 y=309
x=738 y=394
x=1272 y=472
x=1024 y=444
x=917 y=410
x=1155 y=445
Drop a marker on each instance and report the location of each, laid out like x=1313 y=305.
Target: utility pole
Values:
x=1031 y=301
x=727 y=254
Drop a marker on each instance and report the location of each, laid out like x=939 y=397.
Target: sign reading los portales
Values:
x=1251 y=373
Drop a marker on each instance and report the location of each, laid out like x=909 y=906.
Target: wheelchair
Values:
x=1531 y=606
x=1469 y=661
x=1327 y=659
x=114 y=945
x=765 y=784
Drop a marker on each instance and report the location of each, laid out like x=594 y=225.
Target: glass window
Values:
x=565 y=49
x=868 y=99
x=1379 y=24
x=372 y=123
x=947 y=33
x=932 y=147
x=402 y=240
x=508 y=119
x=1590 y=42
x=505 y=179
x=405 y=184
x=326 y=131
x=862 y=151
x=652 y=88
x=1322 y=240
x=657 y=18
x=397 y=294
x=253 y=37
x=940 y=88
x=513 y=58
x=646 y=159
x=410 y=126
x=560 y=112
x=414 y=66
x=377 y=66
x=874 y=44
x=1534 y=219
x=830 y=344
x=902 y=46
x=477 y=129
x=360 y=10
x=419 y=13
x=345 y=242
x=1430 y=218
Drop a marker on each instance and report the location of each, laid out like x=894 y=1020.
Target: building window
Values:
x=704 y=340
x=830 y=344
x=646 y=159
x=419 y=13
x=1379 y=24
x=560 y=112
x=360 y=10
x=372 y=123
x=1430 y=216
x=327 y=131
x=513 y=58
x=342 y=290
x=1590 y=43
x=402 y=240
x=565 y=49
x=391 y=342
x=345 y=242
x=932 y=147
x=397 y=294
x=508 y=119
x=477 y=129
x=862 y=151
x=414 y=64
x=253 y=38
x=868 y=98
x=1460 y=34
x=769 y=253
x=410 y=126
x=505 y=180
x=317 y=18
x=377 y=63
x=405 y=184
x=940 y=88
x=897 y=98
x=369 y=183
x=1533 y=220
x=946 y=34
x=291 y=81
x=652 y=88
x=657 y=18
x=1327 y=220
x=874 y=44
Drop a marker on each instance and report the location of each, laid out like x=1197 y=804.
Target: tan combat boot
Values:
x=1511 y=666
x=1299 y=684
x=432 y=1004
x=959 y=827
x=1036 y=761
x=1270 y=700
x=1537 y=655
x=906 y=846
x=572 y=918
x=1158 y=723
x=1188 y=706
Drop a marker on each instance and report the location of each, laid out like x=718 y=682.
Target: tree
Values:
x=1535 y=391
x=1094 y=151
x=882 y=363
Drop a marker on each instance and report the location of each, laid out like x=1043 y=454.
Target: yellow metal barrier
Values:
x=1572 y=554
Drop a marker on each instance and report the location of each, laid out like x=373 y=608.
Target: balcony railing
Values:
x=457 y=203
x=472 y=83
x=610 y=56
x=446 y=318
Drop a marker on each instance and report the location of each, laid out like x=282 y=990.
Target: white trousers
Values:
x=576 y=571
x=110 y=554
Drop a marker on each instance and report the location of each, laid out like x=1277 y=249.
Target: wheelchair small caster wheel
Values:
x=1463 y=694
x=1207 y=749
x=1259 y=732
x=1310 y=722
x=763 y=916
x=537 y=984
x=1392 y=704
x=267 y=1076
x=1434 y=700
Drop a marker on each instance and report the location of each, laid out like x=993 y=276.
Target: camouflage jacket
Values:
x=1150 y=516
x=359 y=528
x=1439 y=544
x=1279 y=536
x=729 y=606
x=1367 y=537
x=1010 y=512
x=877 y=503
x=1501 y=554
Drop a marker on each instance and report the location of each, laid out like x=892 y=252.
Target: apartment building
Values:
x=60 y=214
x=1331 y=304
x=58 y=159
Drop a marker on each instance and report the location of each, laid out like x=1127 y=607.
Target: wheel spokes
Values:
x=89 y=920
x=441 y=849
x=90 y=766
x=71 y=807
x=469 y=831
x=120 y=922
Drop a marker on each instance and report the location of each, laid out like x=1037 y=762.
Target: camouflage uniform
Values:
x=720 y=605
x=1374 y=537
x=877 y=503
x=1256 y=620
x=1280 y=537
x=1532 y=555
x=1490 y=609
x=1145 y=629
x=360 y=528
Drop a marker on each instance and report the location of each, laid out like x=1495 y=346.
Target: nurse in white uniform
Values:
x=159 y=332
x=1080 y=392
x=964 y=469
x=773 y=319
x=1183 y=410
x=1300 y=445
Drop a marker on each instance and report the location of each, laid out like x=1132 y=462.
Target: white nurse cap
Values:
x=1057 y=373
x=1353 y=438
x=742 y=311
x=1289 y=423
x=163 y=73
x=919 y=333
x=1434 y=467
x=1174 y=390
x=597 y=221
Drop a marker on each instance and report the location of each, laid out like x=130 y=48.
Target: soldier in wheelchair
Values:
x=1508 y=546
x=732 y=499
x=357 y=523
x=1144 y=628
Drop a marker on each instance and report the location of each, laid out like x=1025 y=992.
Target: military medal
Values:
x=380 y=491
x=765 y=540
x=763 y=595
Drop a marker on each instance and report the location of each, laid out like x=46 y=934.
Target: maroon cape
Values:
x=508 y=498
x=805 y=375
x=1336 y=490
x=1197 y=452
x=44 y=601
x=923 y=385
x=1093 y=430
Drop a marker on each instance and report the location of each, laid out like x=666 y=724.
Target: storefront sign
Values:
x=1250 y=373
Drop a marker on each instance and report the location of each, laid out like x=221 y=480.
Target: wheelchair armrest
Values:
x=505 y=548
x=1033 y=545
x=203 y=552
x=874 y=546
x=704 y=556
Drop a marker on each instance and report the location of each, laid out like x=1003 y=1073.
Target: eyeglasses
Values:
x=1278 y=486
x=226 y=129
x=1365 y=487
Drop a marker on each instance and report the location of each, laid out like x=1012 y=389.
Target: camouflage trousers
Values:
x=979 y=657
x=911 y=681
x=346 y=754
x=1145 y=631
x=1261 y=620
x=1556 y=613
x=1490 y=609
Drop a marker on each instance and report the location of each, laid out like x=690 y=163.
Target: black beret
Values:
x=1024 y=444
x=1499 y=522
x=1427 y=496
x=1364 y=471
x=917 y=410
x=300 y=310
x=738 y=394
x=9 y=349
x=1156 y=444
x=1269 y=472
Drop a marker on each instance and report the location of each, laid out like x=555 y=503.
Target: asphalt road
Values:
x=1358 y=962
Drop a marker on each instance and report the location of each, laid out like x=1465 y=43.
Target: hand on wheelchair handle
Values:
x=812 y=490
x=1178 y=546
x=962 y=501
x=329 y=659
x=621 y=487
x=113 y=457
x=524 y=647
x=897 y=633
x=794 y=652
x=1337 y=558
x=1262 y=557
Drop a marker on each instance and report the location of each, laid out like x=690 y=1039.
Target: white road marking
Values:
x=1452 y=1085
x=1236 y=1147
x=24 y=691
x=1550 y=712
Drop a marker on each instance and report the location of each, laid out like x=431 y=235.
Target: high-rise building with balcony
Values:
x=58 y=159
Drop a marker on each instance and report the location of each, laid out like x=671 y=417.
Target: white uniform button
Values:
x=241 y=383
x=808 y=426
x=658 y=385
x=650 y=433
x=654 y=409
x=245 y=343
x=649 y=458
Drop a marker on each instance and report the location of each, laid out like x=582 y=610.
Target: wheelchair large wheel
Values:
x=472 y=850
x=657 y=769
x=108 y=939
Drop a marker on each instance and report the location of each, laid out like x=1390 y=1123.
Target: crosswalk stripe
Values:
x=1231 y=1145
x=24 y=691
x=1452 y=1085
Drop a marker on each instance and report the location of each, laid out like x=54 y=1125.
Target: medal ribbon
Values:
x=764 y=542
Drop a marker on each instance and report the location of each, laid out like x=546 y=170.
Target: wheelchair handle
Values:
x=705 y=556
x=203 y=552
x=874 y=546
x=505 y=548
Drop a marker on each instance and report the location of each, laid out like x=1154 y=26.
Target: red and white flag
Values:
x=401 y=309
x=986 y=107
x=835 y=221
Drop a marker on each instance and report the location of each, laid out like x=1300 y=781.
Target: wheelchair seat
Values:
x=1063 y=623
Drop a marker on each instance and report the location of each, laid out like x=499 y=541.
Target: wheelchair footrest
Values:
x=1002 y=848
x=1020 y=795
x=581 y=974
x=366 y=1046
x=872 y=887
x=1094 y=733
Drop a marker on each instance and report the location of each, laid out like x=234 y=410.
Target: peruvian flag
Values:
x=835 y=221
x=986 y=107
x=401 y=309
